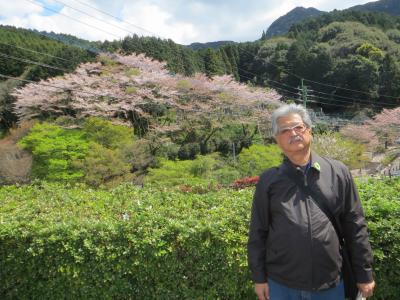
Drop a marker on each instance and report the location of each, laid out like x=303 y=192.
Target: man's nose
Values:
x=292 y=132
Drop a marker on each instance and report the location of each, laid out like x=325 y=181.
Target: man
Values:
x=293 y=248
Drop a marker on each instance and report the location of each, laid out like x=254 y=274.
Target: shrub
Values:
x=245 y=182
x=381 y=203
x=102 y=166
x=54 y=149
x=191 y=172
x=106 y=133
x=67 y=242
x=257 y=158
x=97 y=153
x=58 y=241
x=333 y=145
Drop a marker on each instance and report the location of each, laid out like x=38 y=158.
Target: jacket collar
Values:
x=315 y=161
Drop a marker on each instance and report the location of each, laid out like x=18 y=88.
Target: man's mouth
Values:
x=295 y=139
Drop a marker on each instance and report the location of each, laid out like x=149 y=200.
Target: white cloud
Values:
x=184 y=21
x=12 y=9
x=157 y=21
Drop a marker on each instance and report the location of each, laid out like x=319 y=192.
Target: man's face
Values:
x=293 y=136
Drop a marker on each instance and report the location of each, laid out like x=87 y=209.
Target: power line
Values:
x=85 y=13
x=277 y=82
x=287 y=91
x=55 y=86
x=344 y=97
x=357 y=91
x=72 y=18
x=277 y=88
x=316 y=82
x=359 y=101
x=116 y=18
x=326 y=103
x=33 y=62
x=37 y=52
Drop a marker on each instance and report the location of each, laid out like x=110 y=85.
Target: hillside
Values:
x=282 y=24
x=391 y=7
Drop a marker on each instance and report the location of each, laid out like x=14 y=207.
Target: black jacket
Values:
x=292 y=241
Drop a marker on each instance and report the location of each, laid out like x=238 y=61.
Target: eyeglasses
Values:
x=298 y=128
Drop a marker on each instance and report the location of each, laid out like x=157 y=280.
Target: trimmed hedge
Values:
x=128 y=243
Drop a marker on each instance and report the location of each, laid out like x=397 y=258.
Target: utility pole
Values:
x=304 y=93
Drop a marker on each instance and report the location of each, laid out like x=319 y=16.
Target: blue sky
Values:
x=184 y=21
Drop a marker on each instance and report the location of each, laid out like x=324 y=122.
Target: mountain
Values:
x=212 y=45
x=282 y=24
x=391 y=7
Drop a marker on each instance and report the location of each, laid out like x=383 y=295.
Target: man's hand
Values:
x=262 y=291
x=366 y=289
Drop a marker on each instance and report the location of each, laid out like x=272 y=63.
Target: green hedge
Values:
x=73 y=242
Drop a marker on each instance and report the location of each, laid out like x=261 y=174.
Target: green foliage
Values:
x=80 y=243
x=130 y=90
x=106 y=133
x=258 y=158
x=197 y=171
x=96 y=154
x=14 y=41
x=206 y=169
x=146 y=244
x=333 y=145
x=381 y=203
x=184 y=85
x=133 y=72
x=356 y=51
x=370 y=51
x=7 y=115
x=102 y=166
x=213 y=63
x=54 y=149
x=180 y=59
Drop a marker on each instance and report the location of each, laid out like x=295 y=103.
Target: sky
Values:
x=183 y=21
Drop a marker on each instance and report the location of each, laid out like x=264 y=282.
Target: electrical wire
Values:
x=358 y=101
x=72 y=18
x=116 y=18
x=33 y=62
x=37 y=52
x=344 y=97
x=55 y=86
x=316 y=82
x=87 y=14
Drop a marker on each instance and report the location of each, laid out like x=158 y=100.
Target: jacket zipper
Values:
x=310 y=229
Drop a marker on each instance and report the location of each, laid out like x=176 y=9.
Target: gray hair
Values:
x=289 y=109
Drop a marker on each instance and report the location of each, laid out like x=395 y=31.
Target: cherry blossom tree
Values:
x=130 y=87
x=382 y=128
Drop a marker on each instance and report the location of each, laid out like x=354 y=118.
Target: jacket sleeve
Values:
x=355 y=233
x=256 y=246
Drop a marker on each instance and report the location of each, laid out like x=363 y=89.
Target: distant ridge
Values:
x=282 y=24
x=212 y=45
x=391 y=7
